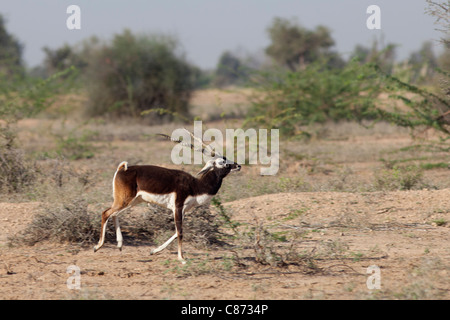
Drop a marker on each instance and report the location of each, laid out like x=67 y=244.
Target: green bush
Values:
x=289 y=100
x=76 y=147
x=399 y=178
x=11 y=63
x=294 y=46
x=137 y=73
x=230 y=71
x=423 y=108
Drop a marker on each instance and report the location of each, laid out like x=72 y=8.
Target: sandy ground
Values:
x=345 y=233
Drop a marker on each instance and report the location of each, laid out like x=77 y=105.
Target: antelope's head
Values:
x=222 y=165
x=218 y=163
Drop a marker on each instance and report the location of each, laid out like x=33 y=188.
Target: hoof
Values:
x=155 y=251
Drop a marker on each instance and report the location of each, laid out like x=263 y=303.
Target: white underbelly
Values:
x=165 y=200
x=168 y=200
x=195 y=201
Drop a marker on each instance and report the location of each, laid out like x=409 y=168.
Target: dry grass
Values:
x=214 y=104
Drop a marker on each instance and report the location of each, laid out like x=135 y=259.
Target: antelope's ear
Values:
x=209 y=165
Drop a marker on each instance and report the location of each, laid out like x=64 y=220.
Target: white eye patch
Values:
x=220 y=162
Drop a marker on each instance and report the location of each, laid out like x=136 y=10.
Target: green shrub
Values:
x=423 y=108
x=11 y=49
x=137 y=73
x=316 y=94
x=399 y=178
x=74 y=147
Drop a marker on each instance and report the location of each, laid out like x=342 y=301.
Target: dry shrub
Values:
x=399 y=178
x=69 y=222
x=16 y=173
x=200 y=227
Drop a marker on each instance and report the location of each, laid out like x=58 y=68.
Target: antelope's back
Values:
x=155 y=179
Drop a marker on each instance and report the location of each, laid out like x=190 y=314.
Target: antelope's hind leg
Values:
x=114 y=212
x=105 y=217
x=119 y=237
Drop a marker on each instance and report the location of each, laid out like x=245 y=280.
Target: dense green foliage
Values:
x=230 y=71
x=294 y=46
x=137 y=73
x=10 y=52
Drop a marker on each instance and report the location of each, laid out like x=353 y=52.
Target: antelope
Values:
x=174 y=189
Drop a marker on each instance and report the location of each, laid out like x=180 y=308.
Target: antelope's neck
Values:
x=210 y=183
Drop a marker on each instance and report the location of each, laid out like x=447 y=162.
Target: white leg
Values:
x=119 y=237
x=102 y=238
x=164 y=245
x=180 y=256
x=180 y=253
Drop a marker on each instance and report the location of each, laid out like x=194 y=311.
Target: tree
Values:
x=10 y=52
x=444 y=59
x=229 y=70
x=138 y=72
x=294 y=46
x=360 y=54
x=441 y=11
x=62 y=58
x=384 y=57
x=423 y=62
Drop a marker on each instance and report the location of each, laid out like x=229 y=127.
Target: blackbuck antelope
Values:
x=170 y=188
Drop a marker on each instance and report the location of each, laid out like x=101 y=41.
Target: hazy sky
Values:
x=206 y=28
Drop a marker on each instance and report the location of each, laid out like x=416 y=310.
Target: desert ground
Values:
x=347 y=199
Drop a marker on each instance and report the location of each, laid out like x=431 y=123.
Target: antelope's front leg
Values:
x=179 y=230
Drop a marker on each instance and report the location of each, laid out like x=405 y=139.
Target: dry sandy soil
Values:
x=343 y=234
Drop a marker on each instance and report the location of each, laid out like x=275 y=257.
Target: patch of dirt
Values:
x=404 y=233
